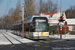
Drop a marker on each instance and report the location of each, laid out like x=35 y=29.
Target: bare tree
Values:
x=12 y=16
x=41 y=6
x=29 y=7
x=70 y=13
x=10 y=12
x=48 y=6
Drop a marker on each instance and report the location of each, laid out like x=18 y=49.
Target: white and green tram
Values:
x=35 y=27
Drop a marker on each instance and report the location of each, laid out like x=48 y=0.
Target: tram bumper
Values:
x=41 y=37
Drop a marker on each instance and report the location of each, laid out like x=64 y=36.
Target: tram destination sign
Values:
x=40 y=20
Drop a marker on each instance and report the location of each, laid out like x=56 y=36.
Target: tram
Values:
x=35 y=27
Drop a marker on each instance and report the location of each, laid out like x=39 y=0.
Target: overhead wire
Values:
x=6 y=7
x=8 y=4
x=0 y=6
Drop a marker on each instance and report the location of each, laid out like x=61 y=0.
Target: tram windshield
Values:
x=41 y=26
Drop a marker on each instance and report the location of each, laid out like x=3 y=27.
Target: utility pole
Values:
x=61 y=19
x=6 y=24
x=60 y=8
x=22 y=18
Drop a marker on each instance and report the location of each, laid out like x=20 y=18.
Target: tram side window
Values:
x=27 y=29
x=24 y=27
x=48 y=27
x=31 y=27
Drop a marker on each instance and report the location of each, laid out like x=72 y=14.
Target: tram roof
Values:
x=27 y=19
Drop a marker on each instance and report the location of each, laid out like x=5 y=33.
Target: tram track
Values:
x=6 y=38
x=12 y=44
x=11 y=37
x=53 y=42
x=50 y=40
x=41 y=41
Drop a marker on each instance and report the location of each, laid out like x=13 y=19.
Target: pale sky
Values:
x=4 y=8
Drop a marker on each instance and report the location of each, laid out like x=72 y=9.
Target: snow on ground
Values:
x=5 y=41
x=63 y=36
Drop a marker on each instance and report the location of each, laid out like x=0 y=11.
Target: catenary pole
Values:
x=22 y=18
x=6 y=24
x=61 y=21
x=60 y=8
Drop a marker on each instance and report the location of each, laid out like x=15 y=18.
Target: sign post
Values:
x=61 y=20
x=60 y=29
x=65 y=28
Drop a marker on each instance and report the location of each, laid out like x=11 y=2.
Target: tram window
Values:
x=27 y=28
x=24 y=27
x=31 y=29
x=41 y=26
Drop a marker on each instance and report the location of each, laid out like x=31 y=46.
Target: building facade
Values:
x=53 y=20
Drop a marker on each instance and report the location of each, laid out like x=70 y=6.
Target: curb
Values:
x=63 y=40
